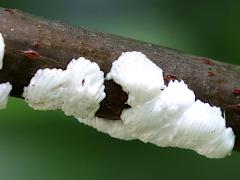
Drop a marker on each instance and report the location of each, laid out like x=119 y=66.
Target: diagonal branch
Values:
x=33 y=43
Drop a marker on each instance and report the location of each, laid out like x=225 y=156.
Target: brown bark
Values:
x=33 y=43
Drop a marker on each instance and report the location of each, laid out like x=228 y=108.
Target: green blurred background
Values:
x=50 y=146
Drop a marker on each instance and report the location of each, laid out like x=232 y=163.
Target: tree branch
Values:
x=33 y=43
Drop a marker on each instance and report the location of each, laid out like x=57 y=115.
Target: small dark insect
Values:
x=211 y=74
x=207 y=61
x=83 y=81
x=31 y=54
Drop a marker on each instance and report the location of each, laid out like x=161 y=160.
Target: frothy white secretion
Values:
x=170 y=117
x=77 y=91
x=138 y=76
x=165 y=116
x=5 y=88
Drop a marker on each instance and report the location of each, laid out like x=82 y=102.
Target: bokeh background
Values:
x=38 y=145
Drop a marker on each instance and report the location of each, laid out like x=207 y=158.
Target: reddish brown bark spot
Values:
x=211 y=74
x=31 y=54
x=234 y=106
x=207 y=61
x=236 y=91
x=169 y=77
x=9 y=11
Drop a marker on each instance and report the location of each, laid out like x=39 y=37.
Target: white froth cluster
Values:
x=138 y=76
x=165 y=116
x=5 y=89
x=168 y=117
x=78 y=90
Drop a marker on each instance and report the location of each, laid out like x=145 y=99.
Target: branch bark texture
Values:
x=33 y=43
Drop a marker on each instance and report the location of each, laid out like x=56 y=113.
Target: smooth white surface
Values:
x=5 y=89
x=2 y=48
x=114 y=128
x=137 y=75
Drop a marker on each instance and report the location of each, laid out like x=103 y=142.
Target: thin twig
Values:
x=33 y=43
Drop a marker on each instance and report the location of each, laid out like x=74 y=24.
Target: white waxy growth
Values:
x=46 y=89
x=77 y=91
x=137 y=75
x=165 y=116
x=5 y=89
x=115 y=128
x=155 y=120
x=203 y=129
x=168 y=117
x=174 y=119
x=85 y=89
x=2 y=47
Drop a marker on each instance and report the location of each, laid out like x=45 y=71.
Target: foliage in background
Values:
x=48 y=145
